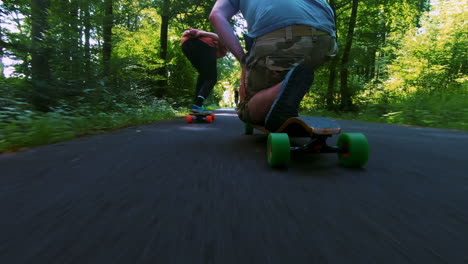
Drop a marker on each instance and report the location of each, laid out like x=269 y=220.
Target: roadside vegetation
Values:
x=424 y=111
x=24 y=128
x=418 y=76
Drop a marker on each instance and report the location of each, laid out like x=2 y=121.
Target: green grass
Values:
x=423 y=118
x=36 y=129
x=439 y=111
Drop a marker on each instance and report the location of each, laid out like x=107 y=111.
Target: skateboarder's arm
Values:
x=196 y=33
x=220 y=14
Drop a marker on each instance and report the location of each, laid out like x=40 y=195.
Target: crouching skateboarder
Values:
x=287 y=41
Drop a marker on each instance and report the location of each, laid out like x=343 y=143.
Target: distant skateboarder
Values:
x=202 y=48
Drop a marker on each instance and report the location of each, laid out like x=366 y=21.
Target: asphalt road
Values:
x=172 y=192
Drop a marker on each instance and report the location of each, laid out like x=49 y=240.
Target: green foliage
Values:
x=420 y=109
x=135 y=60
x=406 y=68
x=182 y=74
x=228 y=81
x=22 y=128
x=432 y=57
x=436 y=110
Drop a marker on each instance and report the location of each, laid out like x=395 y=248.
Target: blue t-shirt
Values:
x=265 y=16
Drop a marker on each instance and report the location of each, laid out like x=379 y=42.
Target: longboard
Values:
x=305 y=126
x=207 y=117
x=352 y=148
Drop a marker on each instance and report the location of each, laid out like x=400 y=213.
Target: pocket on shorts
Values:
x=282 y=63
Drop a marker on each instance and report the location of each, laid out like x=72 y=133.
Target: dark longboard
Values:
x=352 y=148
x=207 y=117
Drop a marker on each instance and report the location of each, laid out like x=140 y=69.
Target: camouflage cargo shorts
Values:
x=269 y=60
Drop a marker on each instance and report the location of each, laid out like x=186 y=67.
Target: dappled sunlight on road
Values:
x=226 y=114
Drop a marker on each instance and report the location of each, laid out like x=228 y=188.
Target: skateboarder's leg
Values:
x=293 y=89
x=198 y=86
x=261 y=102
x=269 y=63
x=284 y=96
x=208 y=75
x=203 y=58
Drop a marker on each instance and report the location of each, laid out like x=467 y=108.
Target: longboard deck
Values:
x=201 y=114
x=306 y=126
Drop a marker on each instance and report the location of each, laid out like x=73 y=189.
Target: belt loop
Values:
x=289 y=33
x=314 y=33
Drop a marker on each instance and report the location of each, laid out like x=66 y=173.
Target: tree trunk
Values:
x=379 y=53
x=2 y=66
x=161 y=88
x=330 y=97
x=75 y=40
x=107 y=37
x=346 y=93
x=64 y=37
x=332 y=69
x=87 y=37
x=40 y=68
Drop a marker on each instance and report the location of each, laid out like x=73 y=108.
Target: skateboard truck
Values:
x=317 y=145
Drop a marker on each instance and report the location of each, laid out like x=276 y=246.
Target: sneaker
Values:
x=200 y=110
x=295 y=85
x=197 y=109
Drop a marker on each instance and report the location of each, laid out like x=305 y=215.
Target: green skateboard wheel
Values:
x=278 y=150
x=355 y=150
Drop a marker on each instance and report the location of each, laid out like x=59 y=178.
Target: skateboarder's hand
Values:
x=193 y=33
